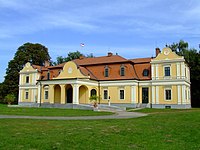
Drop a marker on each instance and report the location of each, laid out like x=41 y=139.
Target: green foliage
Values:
x=34 y=53
x=94 y=98
x=70 y=56
x=192 y=57
x=162 y=131
x=10 y=98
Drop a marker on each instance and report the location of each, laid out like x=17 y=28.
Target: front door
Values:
x=69 y=95
x=145 y=95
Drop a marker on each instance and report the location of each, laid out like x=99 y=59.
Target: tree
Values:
x=192 y=57
x=34 y=53
x=10 y=98
x=70 y=56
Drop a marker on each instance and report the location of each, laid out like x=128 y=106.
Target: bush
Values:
x=10 y=98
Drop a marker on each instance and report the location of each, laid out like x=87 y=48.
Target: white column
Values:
x=157 y=94
x=19 y=95
x=157 y=75
x=75 y=94
x=179 y=94
x=133 y=94
x=182 y=70
x=153 y=94
x=178 y=73
x=39 y=93
x=183 y=95
x=152 y=72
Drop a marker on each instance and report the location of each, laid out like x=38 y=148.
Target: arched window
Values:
x=145 y=72
x=122 y=70
x=106 y=71
x=93 y=92
x=48 y=75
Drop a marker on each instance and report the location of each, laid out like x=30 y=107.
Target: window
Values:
x=48 y=75
x=121 y=94
x=27 y=79
x=105 y=94
x=93 y=92
x=145 y=72
x=26 y=95
x=122 y=71
x=168 y=94
x=46 y=94
x=167 y=71
x=106 y=71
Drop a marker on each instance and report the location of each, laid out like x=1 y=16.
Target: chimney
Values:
x=109 y=54
x=81 y=57
x=46 y=63
x=157 y=51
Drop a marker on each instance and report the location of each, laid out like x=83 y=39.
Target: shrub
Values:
x=10 y=98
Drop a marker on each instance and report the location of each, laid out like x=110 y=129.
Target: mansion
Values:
x=162 y=81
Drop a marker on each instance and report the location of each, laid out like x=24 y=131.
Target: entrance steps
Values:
x=102 y=107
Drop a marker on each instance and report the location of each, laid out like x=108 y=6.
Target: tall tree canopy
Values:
x=70 y=56
x=192 y=57
x=28 y=52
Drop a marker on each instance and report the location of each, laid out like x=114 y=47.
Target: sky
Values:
x=131 y=28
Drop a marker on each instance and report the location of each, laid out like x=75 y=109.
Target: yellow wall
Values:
x=70 y=70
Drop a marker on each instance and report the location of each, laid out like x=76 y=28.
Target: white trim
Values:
x=157 y=75
x=153 y=94
x=170 y=83
x=105 y=89
x=183 y=95
x=133 y=94
x=119 y=93
x=157 y=94
x=152 y=72
x=167 y=88
x=75 y=94
x=39 y=93
x=179 y=94
x=178 y=73
x=167 y=61
x=170 y=71
x=19 y=96
x=183 y=69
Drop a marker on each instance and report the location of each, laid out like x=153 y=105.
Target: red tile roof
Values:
x=95 y=67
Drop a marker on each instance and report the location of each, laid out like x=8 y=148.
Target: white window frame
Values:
x=165 y=98
x=122 y=67
x=167 y=77
x=107 y=94
x=119 y=93
x=26 y=95
x=45 y=94
x=27 y=76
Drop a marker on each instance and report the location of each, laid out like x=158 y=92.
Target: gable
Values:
x=70 y=70
x=167 y=54
x=28 y=68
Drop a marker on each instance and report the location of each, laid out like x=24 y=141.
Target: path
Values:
x=117 y=115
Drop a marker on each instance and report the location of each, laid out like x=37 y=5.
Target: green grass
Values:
x=4 y=110
x=159 y=131
x=154 y=110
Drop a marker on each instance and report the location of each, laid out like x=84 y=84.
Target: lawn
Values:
x=4 y=110
x=158 y=131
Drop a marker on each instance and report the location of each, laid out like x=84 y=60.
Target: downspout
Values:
x=138 y=94
x=40 y=93
x=99 y=91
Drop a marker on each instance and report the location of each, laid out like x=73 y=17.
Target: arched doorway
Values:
x=69 y=93
x=57 y=94
x=83 y=94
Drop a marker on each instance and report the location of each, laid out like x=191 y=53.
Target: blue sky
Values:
x=131 y=28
